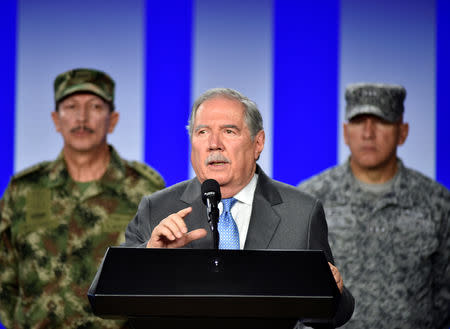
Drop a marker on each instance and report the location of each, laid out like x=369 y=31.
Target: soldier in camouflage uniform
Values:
x=58 y=218
x=388 y=224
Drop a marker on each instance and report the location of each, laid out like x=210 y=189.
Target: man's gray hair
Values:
x=252 y=116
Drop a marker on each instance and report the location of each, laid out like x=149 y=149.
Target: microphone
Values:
x=211 y=197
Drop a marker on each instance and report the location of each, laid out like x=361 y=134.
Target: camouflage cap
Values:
x=383 y=100
x=84 y=80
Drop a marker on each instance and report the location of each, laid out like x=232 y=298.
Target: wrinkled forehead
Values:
x=220 y=108
x=225 y=102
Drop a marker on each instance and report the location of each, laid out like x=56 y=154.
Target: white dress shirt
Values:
x=242 y=209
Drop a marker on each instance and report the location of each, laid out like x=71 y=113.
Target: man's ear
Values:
x=55 y=118
x=403 y=133
x=113 y=119
x=260 y=139
x=344 y=129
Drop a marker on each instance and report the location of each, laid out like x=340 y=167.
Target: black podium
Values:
x=214 y=289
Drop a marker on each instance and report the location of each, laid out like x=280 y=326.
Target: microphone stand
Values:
x=213 y=219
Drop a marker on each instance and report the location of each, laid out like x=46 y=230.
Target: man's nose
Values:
x=215 y=142
x=368 y=128
x=82 y=114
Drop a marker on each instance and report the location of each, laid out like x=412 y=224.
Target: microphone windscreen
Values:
x=210 y=188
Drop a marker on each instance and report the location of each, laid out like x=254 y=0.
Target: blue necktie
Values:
x=228 y=231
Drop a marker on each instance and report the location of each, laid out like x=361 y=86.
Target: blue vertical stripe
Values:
x=305 y=88
x=443 y=94
x=167 y=87
x=8 y=21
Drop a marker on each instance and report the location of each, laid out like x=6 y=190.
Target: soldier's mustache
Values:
x=216 y=157
x=82 y=128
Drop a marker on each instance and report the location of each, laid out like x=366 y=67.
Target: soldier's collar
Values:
x=352 y=191
x=348 y=184
x=401 y=188
x=115 y=172
x=58 y=173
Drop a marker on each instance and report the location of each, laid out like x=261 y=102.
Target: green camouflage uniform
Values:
x=392 y=250
x=53 y=238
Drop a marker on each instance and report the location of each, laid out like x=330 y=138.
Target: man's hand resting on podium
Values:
x=172 y=232
x=337 y=277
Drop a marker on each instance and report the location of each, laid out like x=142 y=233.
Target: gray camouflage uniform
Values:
x=53 y=237
x=392 y=249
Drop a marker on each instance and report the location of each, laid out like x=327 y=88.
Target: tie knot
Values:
x=228 y=203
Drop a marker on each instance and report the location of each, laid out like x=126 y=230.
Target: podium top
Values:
x=293 y=283
x=138 y=271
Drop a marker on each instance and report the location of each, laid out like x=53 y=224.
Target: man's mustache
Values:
x=216 y=157
x=81 y=128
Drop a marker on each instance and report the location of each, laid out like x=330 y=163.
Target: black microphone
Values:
x=211 y=197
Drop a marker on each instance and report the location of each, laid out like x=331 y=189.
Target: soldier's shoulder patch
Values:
x=147 y=172
x=31 y=170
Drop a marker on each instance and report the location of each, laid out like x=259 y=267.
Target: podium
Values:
x=214 y=289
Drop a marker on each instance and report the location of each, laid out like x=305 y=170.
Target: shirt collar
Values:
x=248 y=192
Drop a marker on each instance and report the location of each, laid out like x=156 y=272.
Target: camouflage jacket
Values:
x=53 y=237
x=392 y=250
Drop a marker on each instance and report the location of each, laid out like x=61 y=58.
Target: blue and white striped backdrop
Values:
x=293 y=57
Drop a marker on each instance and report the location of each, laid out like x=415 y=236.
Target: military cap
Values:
x=84 y=80
x=382 y=100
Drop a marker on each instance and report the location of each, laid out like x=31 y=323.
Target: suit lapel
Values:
x=263 y=220
x=198 y=217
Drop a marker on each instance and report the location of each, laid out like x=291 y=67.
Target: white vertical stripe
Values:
x=394 y=42
x=55 y=36
x=233 y=49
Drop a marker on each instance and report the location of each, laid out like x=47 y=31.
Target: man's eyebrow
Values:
x=68 y=102
x=224 y=126
x=231 y=126
x=200 y=127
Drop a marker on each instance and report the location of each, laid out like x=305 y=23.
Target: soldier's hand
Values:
x=337 y=277
x=172 y=232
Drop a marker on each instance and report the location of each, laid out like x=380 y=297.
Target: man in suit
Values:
x=227 y=137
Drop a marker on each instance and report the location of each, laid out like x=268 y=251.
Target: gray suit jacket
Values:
x=282 y=218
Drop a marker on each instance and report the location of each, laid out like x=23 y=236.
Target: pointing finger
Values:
x=183 y=212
